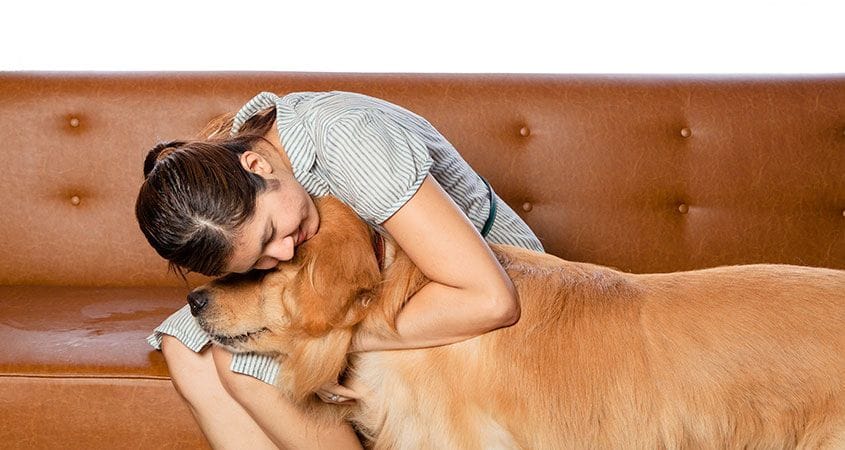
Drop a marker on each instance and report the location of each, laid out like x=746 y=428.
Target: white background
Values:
x=649 y=36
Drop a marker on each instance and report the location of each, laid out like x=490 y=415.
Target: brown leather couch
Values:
x=643 y=173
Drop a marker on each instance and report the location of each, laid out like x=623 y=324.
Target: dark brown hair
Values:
x=196 y=195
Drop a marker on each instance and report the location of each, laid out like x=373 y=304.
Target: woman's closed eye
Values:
x=260 y=262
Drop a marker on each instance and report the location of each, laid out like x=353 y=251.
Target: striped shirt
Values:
x=373 y=155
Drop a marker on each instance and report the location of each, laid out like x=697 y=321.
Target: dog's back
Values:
x=753 y=354
x=728 y=357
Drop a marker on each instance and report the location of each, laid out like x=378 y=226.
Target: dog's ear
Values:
x=339 y=267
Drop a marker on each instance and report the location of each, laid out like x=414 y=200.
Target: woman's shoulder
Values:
x=340 y=101
x=328 y=97
x=328 y=106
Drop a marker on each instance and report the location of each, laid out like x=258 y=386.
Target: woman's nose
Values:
x=282 y=250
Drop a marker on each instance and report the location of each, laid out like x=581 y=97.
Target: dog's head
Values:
x=304 y=310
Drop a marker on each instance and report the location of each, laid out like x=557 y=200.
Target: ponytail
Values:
x=158 y=153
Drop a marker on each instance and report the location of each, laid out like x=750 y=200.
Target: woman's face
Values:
x=285 y=216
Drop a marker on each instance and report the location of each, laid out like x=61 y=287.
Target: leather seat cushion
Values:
x=84 y=331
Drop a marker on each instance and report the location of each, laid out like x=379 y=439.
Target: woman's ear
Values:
x=256 y=163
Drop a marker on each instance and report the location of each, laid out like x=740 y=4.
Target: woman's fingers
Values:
x=335 y=393
x=344 y=391
x=329 y=397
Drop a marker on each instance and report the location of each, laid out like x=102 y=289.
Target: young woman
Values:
x=240 y=199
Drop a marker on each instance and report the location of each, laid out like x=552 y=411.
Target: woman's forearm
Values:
x=438 y=315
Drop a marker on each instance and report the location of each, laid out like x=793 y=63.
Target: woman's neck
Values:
x=275 y=140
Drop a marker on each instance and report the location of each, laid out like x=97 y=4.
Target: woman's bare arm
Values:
x=469 y=293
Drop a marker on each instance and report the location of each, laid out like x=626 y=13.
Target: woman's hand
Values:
x=337 y=394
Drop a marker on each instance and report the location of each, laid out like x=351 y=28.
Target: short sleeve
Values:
x=373 y=164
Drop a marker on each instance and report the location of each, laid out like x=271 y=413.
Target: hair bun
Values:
x=158 y=153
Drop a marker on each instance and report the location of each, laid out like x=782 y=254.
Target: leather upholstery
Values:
x=94 y=413
x=83 y=331
x=643 y=173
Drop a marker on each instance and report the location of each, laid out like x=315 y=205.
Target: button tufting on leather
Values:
x=683 y=208
x=527 y=206
x=75 y=200
x=524 y=131
x=686 y=132
x=74 y=122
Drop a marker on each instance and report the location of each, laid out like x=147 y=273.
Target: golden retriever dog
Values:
x=731 y=357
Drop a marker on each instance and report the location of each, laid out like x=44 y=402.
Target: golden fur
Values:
x=730 y=357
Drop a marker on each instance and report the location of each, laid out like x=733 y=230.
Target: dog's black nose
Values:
x=197 y=300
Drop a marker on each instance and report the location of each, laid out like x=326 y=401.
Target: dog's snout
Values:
x=198 y=300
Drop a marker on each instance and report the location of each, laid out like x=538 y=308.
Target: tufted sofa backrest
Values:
x=643 y=173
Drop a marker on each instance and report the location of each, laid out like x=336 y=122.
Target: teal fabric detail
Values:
x=492 y=216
